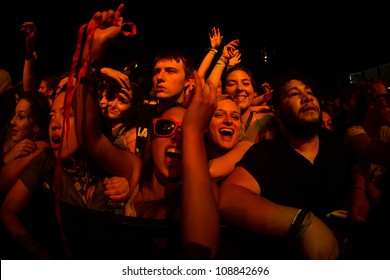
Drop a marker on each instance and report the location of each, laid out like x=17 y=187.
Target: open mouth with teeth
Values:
x=173 y=153
x=172 y=159
x=226 y=132
x=240 y=97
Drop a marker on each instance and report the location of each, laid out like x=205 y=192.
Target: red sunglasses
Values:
x=163 y=127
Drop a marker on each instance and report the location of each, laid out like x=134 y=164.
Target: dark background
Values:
x=329 y=39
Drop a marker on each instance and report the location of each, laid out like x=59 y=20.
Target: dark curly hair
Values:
x=280 y=80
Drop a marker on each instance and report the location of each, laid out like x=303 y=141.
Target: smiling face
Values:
x=166 y=151
x=225 y=127
x=69 y=145
x=239 y=85
x=118 y=105
x=21 y=123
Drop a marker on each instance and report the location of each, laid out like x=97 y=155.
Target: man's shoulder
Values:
x=266 y=146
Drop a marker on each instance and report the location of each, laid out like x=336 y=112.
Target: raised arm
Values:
x=29 y=76
x=265 y=95
x=242 y=205
x=215 y=41
x=121 y=78
x=222 y=166
x=228 y=52
x=200 y=217
x=86 y=108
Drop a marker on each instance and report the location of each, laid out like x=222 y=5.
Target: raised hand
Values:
x=215 y=38
x=31 y=31
x=108 y=26
x=121 y=78
x=202 y=104
x=235 y=59
x=230 y=50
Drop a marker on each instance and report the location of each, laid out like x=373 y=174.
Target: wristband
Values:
x=213 y=51
x=221 y=63
x=300 y=223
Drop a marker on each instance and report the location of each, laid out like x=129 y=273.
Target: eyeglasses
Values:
x=381 y=96
x=383 y=99
x=165 y=127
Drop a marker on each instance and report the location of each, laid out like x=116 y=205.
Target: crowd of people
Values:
x=204 y=165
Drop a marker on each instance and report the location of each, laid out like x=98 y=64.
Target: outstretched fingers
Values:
x=119 y=11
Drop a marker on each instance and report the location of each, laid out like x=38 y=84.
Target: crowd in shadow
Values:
x=207 y=164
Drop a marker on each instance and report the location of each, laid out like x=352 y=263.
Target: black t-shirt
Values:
x=288 y=178
x=144 y=125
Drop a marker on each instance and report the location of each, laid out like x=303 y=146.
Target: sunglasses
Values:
x=165 y=127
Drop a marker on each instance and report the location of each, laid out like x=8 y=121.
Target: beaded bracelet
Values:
x=212 y=51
